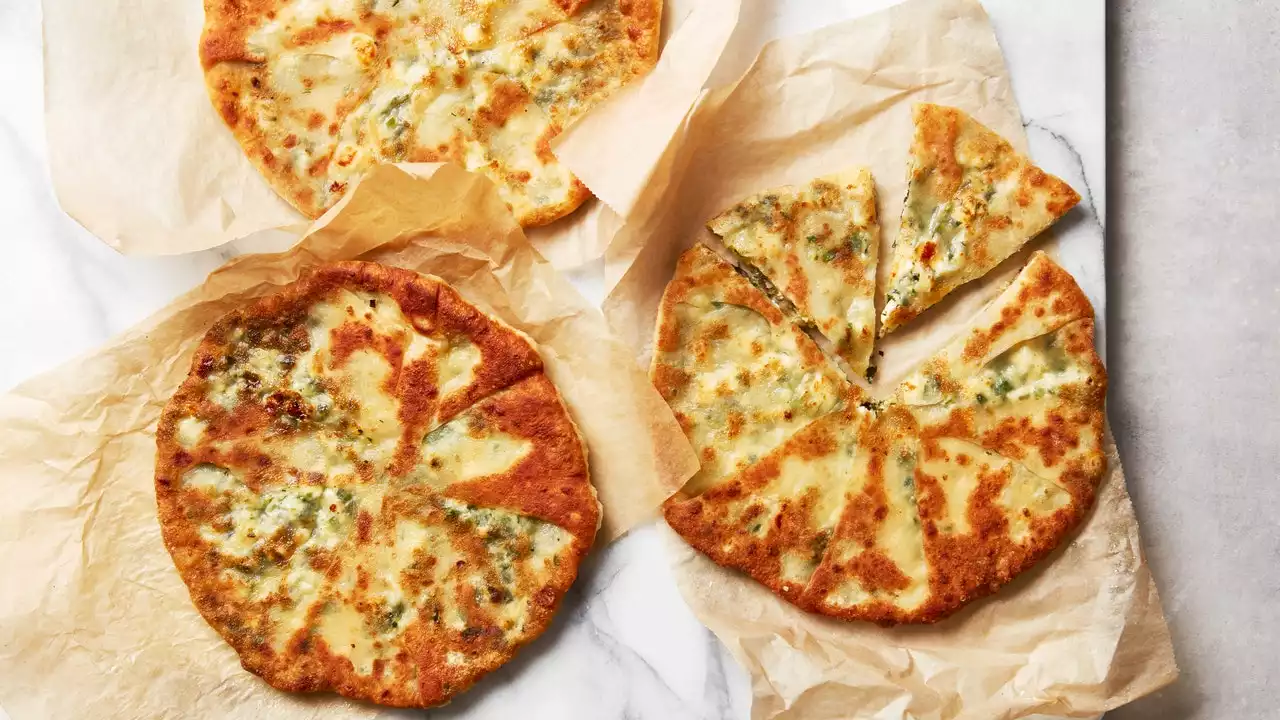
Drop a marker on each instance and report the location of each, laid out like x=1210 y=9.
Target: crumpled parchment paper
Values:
x=1084 y=631
x=94 y=620
x=139 y=157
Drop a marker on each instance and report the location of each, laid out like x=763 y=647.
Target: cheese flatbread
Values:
x=816 y=247
x=972 y=201
x=904 y=510
x=318 y=91
x=739 y=378
x=369 y=486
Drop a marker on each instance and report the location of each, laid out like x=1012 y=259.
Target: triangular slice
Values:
x=875 y=568
x=816 y=248
x=985 y=518
x=774 y=519
x=739 y=377
x=972 y=201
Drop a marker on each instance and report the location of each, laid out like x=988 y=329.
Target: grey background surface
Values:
x=1193 y=282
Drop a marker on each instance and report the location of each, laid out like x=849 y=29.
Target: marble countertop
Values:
x=626 y=646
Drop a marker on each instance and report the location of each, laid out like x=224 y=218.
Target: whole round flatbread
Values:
x=370 y=486
x=318 y=91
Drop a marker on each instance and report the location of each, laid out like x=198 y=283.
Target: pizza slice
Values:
x=874 y=567
x=737 y=375
x=774 y=519
x=814 y=248
x=972 y=201
x=986 y=519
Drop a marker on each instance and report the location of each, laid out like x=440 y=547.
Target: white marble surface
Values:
x=625 y=645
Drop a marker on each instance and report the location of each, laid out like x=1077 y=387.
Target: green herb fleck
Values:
x=857 y=242
x=829 y=255
x=1002 y=386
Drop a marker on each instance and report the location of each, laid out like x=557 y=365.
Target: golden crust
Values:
x=972 y=201
x=984 y=461
x=485 y=86
x=325 y=523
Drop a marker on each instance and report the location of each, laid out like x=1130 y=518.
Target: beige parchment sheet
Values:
x=94 y=620
x=139 y=157
x=1082 y=633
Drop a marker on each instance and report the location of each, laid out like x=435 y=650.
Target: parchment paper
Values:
x=94 y=620
x=1082 y=633
x=139 y=157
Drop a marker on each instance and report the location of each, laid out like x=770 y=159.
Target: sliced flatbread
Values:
x=317 y=93
x=369 y=486
x=815 y=246
x=738 y=376
x=972 y=201
x=982 y=462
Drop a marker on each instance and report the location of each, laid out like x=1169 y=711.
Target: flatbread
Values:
x=319 y=91
x=972 y=201
x=982 y=462
x=815 y=247
x=370 y=486
x=738 y=376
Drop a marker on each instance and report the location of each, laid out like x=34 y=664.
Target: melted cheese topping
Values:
x=464 y=450
x=977 y=465
x=816 y=246
x=897 y=538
